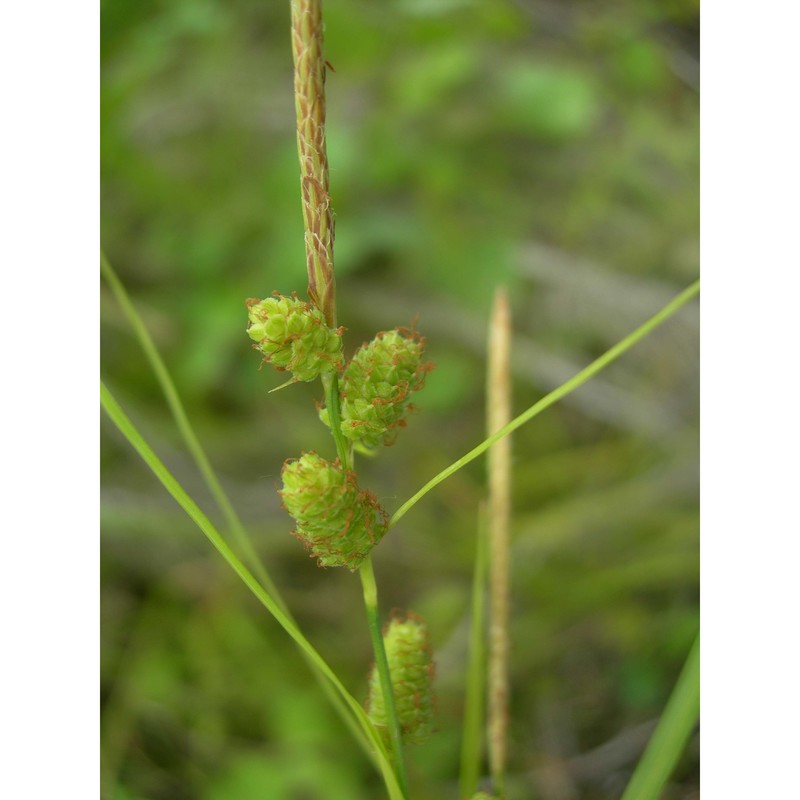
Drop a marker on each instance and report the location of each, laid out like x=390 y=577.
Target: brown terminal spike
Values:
x=309 y=92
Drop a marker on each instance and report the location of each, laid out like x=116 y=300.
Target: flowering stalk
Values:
x=309 y=89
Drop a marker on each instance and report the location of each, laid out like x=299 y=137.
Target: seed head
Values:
x=338 y=522
x=293 y=336
x=376 y=387
x=408 y=652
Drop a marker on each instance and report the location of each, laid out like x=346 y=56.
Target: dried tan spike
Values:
x=309 y=93
x=498 y=392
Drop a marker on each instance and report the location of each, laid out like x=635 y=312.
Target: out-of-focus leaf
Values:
x=554 y=103
x=284 y=776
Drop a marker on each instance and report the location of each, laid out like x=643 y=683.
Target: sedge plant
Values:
x=365 y=404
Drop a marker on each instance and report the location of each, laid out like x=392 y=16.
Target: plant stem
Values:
x=309 y=92
x=498 y=391
x=553 y=397
x=670 y=736
x=370 y=589
x=331 y=384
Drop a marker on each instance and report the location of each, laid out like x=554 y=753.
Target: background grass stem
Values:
x=232 y=521
x=498 y=393
x=553 y=397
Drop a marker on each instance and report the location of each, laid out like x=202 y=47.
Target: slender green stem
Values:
x=332 y=402
x=476 y=669
x=672 y=733
x=557 y=394
x=370 y=589
x=167 y=385
x=382 y=665
x=127 y=428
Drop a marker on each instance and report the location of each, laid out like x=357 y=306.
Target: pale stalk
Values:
x=498 y=391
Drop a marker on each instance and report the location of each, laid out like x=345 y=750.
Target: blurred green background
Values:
x=549 y=145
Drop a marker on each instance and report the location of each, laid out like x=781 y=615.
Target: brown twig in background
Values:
x=499 y=465
x=309 y=93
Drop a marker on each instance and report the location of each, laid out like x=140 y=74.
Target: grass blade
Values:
x=128 y=430
x=472 y=743
x=233 y=522
x=167 y=385
x=553 y=397
x=671 y=735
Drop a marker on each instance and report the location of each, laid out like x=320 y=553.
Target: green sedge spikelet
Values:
x=293 y=336
x=408 y=652
x=376 y=387
x=338 y=522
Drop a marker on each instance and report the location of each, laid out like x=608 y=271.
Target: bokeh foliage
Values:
x=549 y=145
